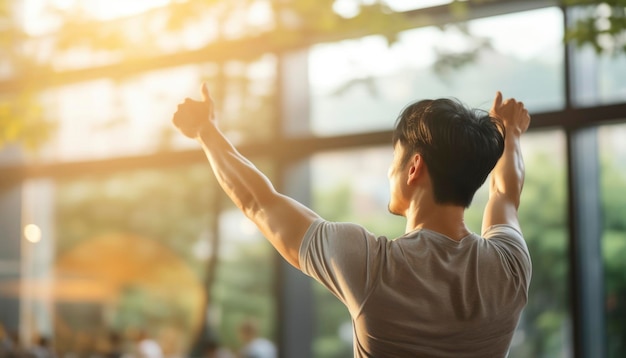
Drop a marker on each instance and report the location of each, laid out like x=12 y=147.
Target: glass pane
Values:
x=107 y=118
x=115 y=30
x=134 y=253
x=545 y=326
x=139 y=238
x=361 y=85
x=613 y=191
x=244 y=288
x=598 y=79
x=353 y=186
x=611 y=79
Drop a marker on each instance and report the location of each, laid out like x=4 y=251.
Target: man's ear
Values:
x=416 y=168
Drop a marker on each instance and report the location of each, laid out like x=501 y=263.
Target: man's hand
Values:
x=512 y=113
x=192 y=115
x=507 y=177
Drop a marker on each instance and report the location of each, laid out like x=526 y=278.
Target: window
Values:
x=127 y=245
x=138 y=237
x=613 y=192
x=107 y=118
x=380 y=79
x=244 y=287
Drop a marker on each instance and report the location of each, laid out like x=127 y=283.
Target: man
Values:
x=437 y=291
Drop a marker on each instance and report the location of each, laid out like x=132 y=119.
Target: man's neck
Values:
x=444 y=219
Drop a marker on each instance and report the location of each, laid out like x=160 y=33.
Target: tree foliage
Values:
x=599 y=24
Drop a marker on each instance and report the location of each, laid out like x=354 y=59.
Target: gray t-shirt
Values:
x=423 y=294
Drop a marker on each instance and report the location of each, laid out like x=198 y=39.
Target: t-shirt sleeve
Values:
x=510 y=244
x=342 y=257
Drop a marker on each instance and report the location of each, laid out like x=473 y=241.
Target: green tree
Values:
x=599 y=24
x=21 y=116
x=172 y=208
x=613 y=185
x=244 y=289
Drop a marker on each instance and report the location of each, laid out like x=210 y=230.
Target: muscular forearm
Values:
x=282 y=220
x=507 y=178
x=244 y=184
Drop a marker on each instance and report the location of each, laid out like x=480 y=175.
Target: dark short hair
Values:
x=460 y=145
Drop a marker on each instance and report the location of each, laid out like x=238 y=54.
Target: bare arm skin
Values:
x=507 y=178
x=282 y=220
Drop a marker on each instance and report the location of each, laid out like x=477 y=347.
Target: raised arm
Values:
x=282 y=220
x=507 y=178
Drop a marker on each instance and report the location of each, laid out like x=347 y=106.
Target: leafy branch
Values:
x=599 y=24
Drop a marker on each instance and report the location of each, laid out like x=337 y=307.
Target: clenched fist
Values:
x=513 y=113
x=191 y=116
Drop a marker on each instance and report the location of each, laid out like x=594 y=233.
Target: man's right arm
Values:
x=281 y=219
x=507 y=177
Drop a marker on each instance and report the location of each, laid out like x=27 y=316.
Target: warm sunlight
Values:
x=108 y=9
x=37 y=19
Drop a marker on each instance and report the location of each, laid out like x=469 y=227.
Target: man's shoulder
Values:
x=509 y=241
x=323 y=229
x=503 y=232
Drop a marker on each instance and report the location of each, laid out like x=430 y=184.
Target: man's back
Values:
x=423 y=294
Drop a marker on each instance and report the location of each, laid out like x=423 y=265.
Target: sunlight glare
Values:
x=32 y=233
x=37 y=18
x=110 y=9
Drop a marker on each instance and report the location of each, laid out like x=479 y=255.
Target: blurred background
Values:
x=114 y=233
